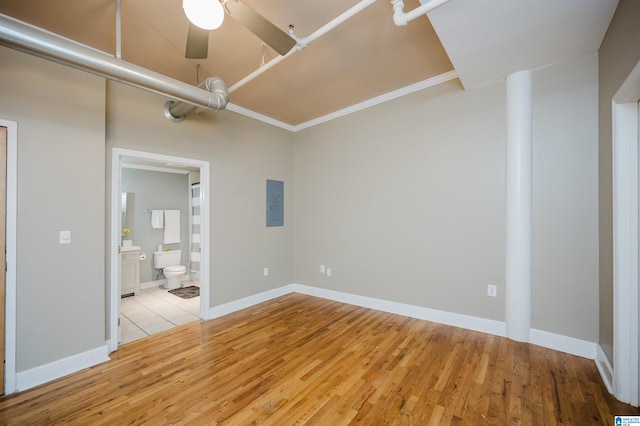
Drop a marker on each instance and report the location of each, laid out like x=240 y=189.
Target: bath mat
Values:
x=186 y=292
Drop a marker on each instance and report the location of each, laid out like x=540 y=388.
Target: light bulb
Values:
x=206 y=14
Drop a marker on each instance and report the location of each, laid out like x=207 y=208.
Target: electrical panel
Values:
x=275 y=203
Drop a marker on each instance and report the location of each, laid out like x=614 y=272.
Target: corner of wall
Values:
x=604 y=367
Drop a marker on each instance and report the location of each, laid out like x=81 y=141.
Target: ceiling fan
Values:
x=214 y=10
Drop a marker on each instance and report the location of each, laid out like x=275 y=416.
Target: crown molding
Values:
x=416 y=87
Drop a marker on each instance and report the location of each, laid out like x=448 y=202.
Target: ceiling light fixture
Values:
x=206 y=14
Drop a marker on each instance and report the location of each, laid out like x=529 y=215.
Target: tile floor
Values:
x=155 y=310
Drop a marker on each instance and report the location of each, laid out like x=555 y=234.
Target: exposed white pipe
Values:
x=400 y=18
x=357 y=8
x=305 y=41
x=175 y=111
x=272 y=63
x=27 y=38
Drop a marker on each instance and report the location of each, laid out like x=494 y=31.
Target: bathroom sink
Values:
x=129 y=248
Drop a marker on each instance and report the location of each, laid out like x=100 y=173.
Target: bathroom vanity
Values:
x=130 y=270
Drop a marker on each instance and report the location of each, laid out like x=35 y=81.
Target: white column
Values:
x=518 y=207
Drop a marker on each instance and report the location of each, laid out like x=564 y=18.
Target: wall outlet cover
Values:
x=492 y=290
x=65 y=237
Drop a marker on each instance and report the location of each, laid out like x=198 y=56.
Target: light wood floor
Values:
x=299 y=359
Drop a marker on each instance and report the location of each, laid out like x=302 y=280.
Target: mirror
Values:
x=126 y=204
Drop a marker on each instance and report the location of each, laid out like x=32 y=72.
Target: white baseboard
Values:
x=237 y=305
x=160 y=283
x=546 y=339
x=562 y=343
x=558 y=342
x=605 y=369
x=57 y=369
x=151 y=284
x=54 y=370
x=449 y=318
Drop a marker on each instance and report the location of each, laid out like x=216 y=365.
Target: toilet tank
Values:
x=163 y=259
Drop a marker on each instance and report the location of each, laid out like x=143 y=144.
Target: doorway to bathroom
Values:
x=159 y=211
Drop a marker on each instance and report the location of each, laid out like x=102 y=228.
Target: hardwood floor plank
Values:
x=303 y=360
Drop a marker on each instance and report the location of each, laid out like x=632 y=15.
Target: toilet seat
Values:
x=175 y=269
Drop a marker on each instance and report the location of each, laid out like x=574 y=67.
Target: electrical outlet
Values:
x=322 y=269
x=65 y=237
x=328 y=272
x=266 y=272
x=492 y=290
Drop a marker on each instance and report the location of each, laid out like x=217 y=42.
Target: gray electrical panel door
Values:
x=275 y=202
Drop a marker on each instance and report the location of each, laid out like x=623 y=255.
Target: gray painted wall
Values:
x=618 y=55
x=61 y=112
x=405 y=201
x=162 y=191
x=61 y=165
x=565 y=199
x=243 y=153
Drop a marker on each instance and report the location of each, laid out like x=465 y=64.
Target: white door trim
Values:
x=114 y=291
x=626 y=325
x=11 y=259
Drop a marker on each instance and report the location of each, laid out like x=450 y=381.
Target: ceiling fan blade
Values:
x=277 y=39
x=197 y=43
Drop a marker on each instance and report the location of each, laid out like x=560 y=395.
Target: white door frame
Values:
x=10 y=308
x=116 y=225
x=626 y=326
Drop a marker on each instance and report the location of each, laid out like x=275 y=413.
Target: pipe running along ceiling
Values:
x=212 y=94
x=35 y=41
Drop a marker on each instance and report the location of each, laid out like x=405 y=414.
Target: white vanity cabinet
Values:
x=130 y=272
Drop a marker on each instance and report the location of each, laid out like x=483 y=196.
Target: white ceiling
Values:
x=487 y=40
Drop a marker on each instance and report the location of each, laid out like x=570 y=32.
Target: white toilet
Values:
x=169 y=262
